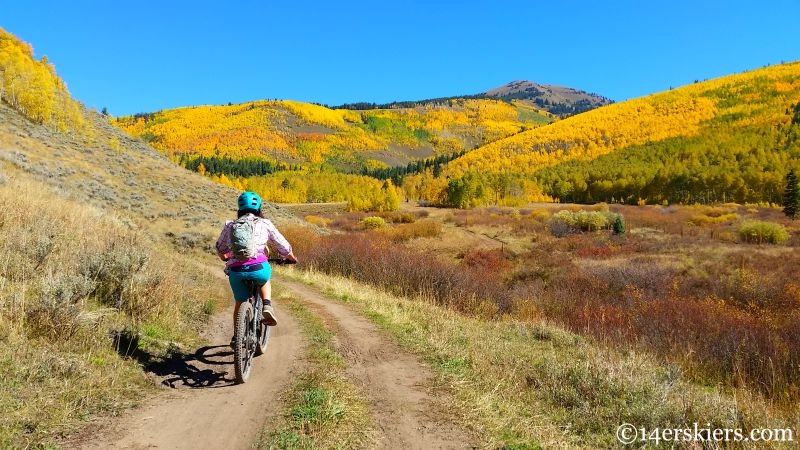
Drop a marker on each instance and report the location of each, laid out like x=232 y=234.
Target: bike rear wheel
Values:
x=244 y=342
x=263 y=339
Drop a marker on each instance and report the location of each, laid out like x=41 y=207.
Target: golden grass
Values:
x=73 y=280
x=535 y=384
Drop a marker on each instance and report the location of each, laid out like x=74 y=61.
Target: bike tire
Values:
x=263 y=339
x=244 y=343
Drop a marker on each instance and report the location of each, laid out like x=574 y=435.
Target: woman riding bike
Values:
x=255 y=266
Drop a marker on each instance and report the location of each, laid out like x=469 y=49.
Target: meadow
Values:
x=694 y=286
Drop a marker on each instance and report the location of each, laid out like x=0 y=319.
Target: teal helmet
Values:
x=249 y=200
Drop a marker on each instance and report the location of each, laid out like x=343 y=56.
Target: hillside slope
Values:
x=47 y=135
x=736 y=134
x=301 y=133
x=119 y=174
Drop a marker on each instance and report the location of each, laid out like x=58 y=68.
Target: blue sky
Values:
x=144 y=56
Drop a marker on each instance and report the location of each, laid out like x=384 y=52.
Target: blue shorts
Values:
x=240 y=290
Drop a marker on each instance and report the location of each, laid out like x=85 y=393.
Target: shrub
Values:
x=759 y=232
x=348 y=221
x=319 y=221
x=408 y=231
x=113 y=269
x=403 y=271
x=702 y=219
x=302 y=238
x=398 y=217
x=373 y=222
x=189 y=240
x=566 y=221
x=492 y=260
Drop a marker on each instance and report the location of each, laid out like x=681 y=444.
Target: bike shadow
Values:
x=207 y=367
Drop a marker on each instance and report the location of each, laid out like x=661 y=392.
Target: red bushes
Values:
x=370 y=259
x=708 y=336
x=755 y=343
x=492 y=261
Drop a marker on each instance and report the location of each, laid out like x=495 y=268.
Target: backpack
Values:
x=243 y=245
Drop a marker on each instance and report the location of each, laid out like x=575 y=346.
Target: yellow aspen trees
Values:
x=33 y=88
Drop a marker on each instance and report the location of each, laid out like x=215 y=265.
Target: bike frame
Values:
x=250 y=335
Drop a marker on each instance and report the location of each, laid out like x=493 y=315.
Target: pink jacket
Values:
x=264 y=232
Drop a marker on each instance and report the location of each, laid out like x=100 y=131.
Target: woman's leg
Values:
x=266 y=291
x=263 y=278
x=240 y=293
x=266 y=311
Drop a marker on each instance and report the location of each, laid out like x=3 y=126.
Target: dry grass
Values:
x=315 y=209
x=72 y=282
x=534 y=384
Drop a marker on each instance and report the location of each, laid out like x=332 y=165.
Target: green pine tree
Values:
x=791 y=197
x=619 y=225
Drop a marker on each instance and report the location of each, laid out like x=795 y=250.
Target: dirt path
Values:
x=398 y=386
x=205 y=408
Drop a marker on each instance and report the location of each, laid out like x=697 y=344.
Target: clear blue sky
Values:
x=139 y=56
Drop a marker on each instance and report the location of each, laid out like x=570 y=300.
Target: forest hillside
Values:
x=728 y=139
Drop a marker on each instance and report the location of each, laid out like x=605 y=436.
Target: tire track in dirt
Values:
x=404 y=406
x=205 y=408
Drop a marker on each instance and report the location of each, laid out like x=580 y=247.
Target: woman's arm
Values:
x=223 y=242
x=280 y=242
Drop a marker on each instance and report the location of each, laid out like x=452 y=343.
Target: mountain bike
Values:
x=250 y=336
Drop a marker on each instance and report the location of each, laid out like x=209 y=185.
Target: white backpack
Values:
x=243 y=244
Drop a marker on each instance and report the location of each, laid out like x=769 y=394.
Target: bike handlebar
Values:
x=273 y=260
x=280 y=261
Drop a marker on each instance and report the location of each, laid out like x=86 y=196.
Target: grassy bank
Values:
x=533 y=384
x=323 y=410
x=80 y=289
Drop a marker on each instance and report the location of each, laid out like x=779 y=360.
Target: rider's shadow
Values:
x=206 y=368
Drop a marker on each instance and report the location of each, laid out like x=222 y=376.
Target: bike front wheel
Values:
x=244 y=342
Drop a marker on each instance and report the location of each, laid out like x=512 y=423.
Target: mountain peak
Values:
x=559 y=100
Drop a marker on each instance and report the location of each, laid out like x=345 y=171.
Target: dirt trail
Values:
x=397 y=385
x=206 y=409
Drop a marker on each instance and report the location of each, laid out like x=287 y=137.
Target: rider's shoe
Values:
x=268 y=316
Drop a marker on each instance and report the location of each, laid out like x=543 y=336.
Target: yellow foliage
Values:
x=676 y=113
x=591 y=134
x=318 y=221
x=33 y=88
x=233 y=130
x=361 y=193
x=290 y=130
x=702 y=219
x=320 y=115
